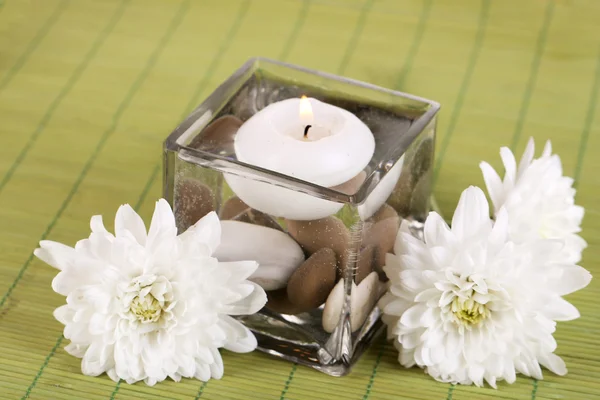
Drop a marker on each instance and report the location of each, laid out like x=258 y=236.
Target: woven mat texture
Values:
x=90 y=89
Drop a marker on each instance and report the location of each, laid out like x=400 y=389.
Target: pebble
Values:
x=232 y=207
x=256 y=217
x=381 y=233
x=245 y=102
x=363 y=299
x=351 y=187
x=404 y=199
x=400 y=198
x=192 y=201
x=366 y=262
x=310 y=284
x=218 y=136
x=333 y=306
x=419 y=201
x=422 y=175
x=277 y=254
x=423 y=159
x=235 y=209
x=278 y=301
x=329 y=232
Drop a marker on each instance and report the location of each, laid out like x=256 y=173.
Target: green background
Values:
x=90 y=89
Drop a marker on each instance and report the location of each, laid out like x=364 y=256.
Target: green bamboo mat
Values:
x=89 y=89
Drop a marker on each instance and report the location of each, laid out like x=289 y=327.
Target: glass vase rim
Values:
x=201 y=116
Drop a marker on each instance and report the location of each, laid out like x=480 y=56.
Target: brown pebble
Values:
x=366 y=261
x=193 y=200
x=419 y=163
x=311 y=283
x=423 y=159
x=256 y=217
x=219 y=134
x=422 y=174
x=400 y=198
x=382 y=234
x=351 y=186
x=233 y=207
x=278 y=301
x=419 y=201
x=327 y=232
x=385 y=211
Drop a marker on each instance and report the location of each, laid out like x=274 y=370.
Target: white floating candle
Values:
x=306 y=139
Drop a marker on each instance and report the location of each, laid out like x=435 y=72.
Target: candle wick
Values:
x=306 y=128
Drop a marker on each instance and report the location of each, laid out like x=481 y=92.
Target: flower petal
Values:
x=476 y=374
x=407 y=358
x=96 y=359
x=202 y=372
x=437 y=232
x=163 y=223
x=239 y=338
x=426 y=295
x=96 y=225
x=248 y=305
x=128 y=220
x=527 y=157
x=547 y=149
x=405 y=241
x=472 y=213
x=394 y=307
x=63 y=314
x=554 y=363
x=493 y=183
x=574 y=245
x=55 y=254
x=500 y=230
x=216 y=368
x=560 y=310
x=410 y=340
x=510 y=165
x=239 y=270
x=65 y=282
x=207 y=231
x=573 y=279
x=412 y=317
x=510 y=375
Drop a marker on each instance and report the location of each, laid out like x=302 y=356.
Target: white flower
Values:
x=538 y=198
x=146 y=306
x=468 y=304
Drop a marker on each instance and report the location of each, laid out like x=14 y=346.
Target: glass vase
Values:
x=321 y=249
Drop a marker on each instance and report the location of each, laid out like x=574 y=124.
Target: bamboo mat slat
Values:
x=89 y=89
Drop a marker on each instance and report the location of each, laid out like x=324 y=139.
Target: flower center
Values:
x=468 y=312
x=146 y=309
x=148 y=299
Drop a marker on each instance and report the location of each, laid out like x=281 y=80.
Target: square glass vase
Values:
x=321 y=250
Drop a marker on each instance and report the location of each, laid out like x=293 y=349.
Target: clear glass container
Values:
x=321 y=249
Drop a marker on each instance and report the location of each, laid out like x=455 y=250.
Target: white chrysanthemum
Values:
x=467 y=304
x=150 y=306
x=538 y=198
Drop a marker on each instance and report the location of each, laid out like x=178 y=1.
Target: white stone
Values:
x=277 y=254
x=363 y=298
x=333 y=306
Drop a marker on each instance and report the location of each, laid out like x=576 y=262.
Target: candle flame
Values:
x=306 y=113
